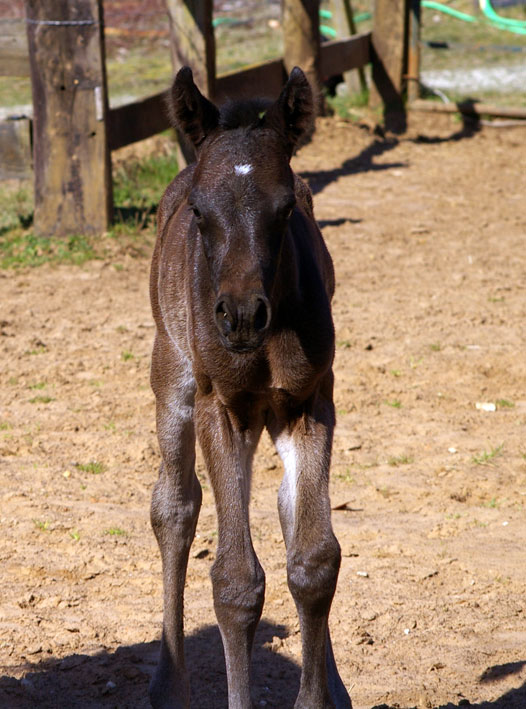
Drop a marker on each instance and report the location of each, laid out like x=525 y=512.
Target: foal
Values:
x=241 y=284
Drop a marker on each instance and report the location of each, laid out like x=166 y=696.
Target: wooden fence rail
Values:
x=144 y=118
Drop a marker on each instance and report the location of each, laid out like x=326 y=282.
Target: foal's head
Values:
x=242 y=197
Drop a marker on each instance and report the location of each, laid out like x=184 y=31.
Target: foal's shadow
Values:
x=121 y=678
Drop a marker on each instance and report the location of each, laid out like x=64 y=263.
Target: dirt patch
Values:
x=428 y=237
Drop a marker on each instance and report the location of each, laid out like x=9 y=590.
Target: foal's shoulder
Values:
x=174 y=196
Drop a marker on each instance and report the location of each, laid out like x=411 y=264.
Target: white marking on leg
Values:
x=287 y=451
x=185 y=409
x=243 y=169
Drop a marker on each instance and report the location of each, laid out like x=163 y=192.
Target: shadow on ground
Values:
x=512 y=699
x=318 y=180
x=120 y=679
x=364 y=162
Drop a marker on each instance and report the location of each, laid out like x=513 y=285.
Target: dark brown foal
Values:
x=241 y=285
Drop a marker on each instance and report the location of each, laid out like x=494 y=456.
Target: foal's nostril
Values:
x=224 y=317
x=262 y=315
x=242 y=322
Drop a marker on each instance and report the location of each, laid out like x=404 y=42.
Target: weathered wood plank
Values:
x=413 y=51
x=192 y=40
x=71 y=157
x=192 y=43
x=14 y=59
x=301 y=39
x=341 y=55
x=343 y=20
x=15 y=149
x=137 y=121
x=389 y=59
x=265 y=79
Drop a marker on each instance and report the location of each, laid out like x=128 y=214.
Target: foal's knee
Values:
x=174 y=510
x=312 y=574
x=239 y=592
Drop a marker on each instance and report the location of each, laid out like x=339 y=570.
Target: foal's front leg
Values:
x=175 y=507
x=313 y=553
x=238 y=580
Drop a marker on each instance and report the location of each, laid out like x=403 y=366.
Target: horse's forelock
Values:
x=243 y=114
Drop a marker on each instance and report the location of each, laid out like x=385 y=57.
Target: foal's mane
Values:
x=244 y=113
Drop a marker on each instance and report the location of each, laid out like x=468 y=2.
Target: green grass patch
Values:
x=41 y=399
x=16 y=204
x=504 y=404
x=487 y=457
x=115 y=532
x=347 y=107
x=95 y=467
x=40 y=349
x=146 y=69
x=42 y=525
x=38 y=385
x=346 y=477
x=139 y=185
x=395 y=404
x=24 y=248
x=127 y=355
x=399 y=460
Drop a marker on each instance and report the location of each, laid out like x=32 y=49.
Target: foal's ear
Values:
x=293 y=113
x=190 y=111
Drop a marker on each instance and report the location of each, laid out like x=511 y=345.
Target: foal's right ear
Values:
x=292 y=114
x=190 y=111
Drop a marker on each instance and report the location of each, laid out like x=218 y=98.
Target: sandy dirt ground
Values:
x=428 y=235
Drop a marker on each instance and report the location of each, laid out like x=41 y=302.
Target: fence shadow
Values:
x=512 y=699
x=121 y=678
x=318 y=180
x=470 y=126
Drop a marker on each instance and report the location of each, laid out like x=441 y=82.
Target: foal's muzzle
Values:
x=242 y=323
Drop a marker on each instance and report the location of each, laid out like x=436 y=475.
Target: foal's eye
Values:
x=287 y=209
x=197 y=213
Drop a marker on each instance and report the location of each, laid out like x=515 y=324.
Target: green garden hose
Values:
x=501 y=23
x=489 y=12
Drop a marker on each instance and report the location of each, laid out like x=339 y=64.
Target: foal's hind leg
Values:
x=313 y=553
x=238 y=580
x=175 y=507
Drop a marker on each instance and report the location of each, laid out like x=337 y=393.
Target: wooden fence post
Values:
x=413 y=52
x=389 y=60
x=301 y=39
x=193 y=44
x=343 y=19
x=73 y=193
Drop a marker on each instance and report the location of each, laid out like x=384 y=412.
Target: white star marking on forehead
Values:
x=244 y=169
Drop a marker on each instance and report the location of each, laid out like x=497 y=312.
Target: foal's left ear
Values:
x=190 y=111
x=293 y=113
